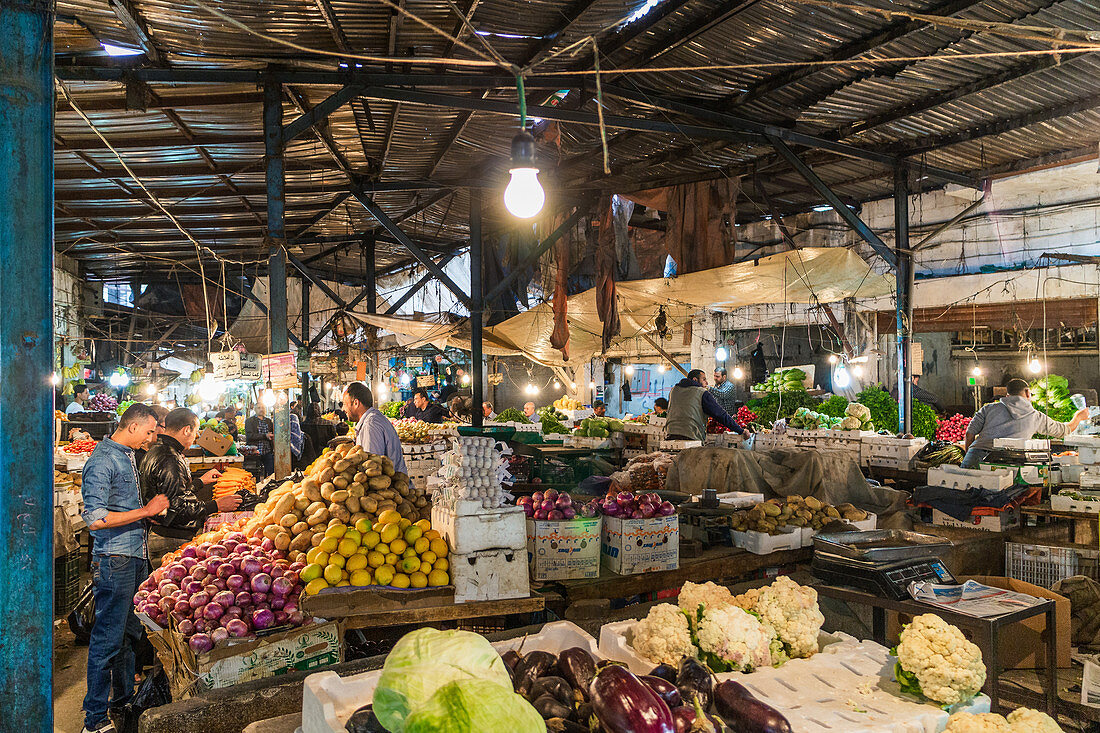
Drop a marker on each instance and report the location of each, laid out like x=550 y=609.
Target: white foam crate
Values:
x=490 y=575
x=328 y=699
x=1071 y=473
x=674 y=445
x=762 y=543
x=1088 y=456
x=902 y=464
x=905 y=448
x=642 y=428
x=1062 y=503
x=969 y=478
x=579 y=441
x=487 y=529
x=771 y=441
x=1021 y=444
x=1068 y=460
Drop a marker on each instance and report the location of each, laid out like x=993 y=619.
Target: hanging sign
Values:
x=347 y=377
x=235 y=365
x=425 y=380
x=322 y=365
x=414 y=362
x=281 y=370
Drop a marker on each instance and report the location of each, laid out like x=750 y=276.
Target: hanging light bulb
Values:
x=592 y=385
x=383 y=391
x=465 y=378
x=720 y=354
x=524 y=196
x=573 y=386
x=976 y=371
x=832 y=358
x=857 y=371
x=841 y=378
x=557 y=384
x=268 y=398
x=661 y=368
x=629 y=370
x=208 y=389
x=1035 y=366
x=150 y=389
x=405 y=379
x=738 y=373
x=54 y=379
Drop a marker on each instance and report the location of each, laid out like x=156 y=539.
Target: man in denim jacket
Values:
x=116 y=518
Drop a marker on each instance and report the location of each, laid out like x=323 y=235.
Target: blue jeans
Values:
x=268 y=460
x=973 y=457
x=115 y=634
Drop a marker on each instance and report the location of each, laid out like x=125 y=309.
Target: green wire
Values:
x=522 y=102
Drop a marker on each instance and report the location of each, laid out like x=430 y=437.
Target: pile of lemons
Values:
x=394 y=551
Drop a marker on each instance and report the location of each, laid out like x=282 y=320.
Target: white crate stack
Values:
x=422 y=461
x=888 y=452
x=772 y=441
x=488 y=539
x=1088 y=458
x=641 y=438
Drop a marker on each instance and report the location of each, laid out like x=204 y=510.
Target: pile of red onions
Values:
x=626 y=505
x=554 y=506
x=214 y=592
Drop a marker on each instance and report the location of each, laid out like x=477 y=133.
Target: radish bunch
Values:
x=953 y=428
x=745 y=416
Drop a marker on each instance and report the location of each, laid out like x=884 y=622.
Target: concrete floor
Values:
x=69 y=669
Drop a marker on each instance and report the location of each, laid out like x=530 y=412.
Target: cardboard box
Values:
x=490 y=575
x=632 y=546
x=304 y=648
x=564 y=550
x=214 y=442
x=999 y=522
x=1023 y=645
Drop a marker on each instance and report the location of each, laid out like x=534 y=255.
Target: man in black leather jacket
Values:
x=165 y=471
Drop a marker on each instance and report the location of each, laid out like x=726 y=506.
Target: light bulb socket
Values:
x=523 y=150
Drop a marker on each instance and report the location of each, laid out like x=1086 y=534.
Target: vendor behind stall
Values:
x=80 y=398
x=921 y=395
x=599 y=408
x=529 y=409
x=423 y=408
x=689 y=406
x=660 y=407
x=374 y=432
x=1013 y=416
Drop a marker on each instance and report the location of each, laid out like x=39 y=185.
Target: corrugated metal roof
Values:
x=199 y=147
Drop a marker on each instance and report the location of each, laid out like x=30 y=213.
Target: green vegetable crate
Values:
x=66 y=582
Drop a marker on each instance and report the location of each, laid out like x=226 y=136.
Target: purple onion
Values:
x=297 y=566
x=536 y=498
x=588 y=511
x=184 y=606
x=200 y=643
x=254 y=541
x=235 y=582
x=237 y=628
x=267 y=567
x=292 y=576
x=523 y=501
x=202 y=550
x=224 y=599
x=277 y=603
x=236 y=537
x=225 y=570
x=646 y=509
x=219 y=635
x=167 y=587
x=190 y=586
x=277 y=571
x=281 y=586
x=235 y=562
x=213 y=611
x=212 y=564
x=177 y=617
x=189 y=551
x=186 y=627
x=540 y=515
x=233 y=612
x=259 y=598
x=637 y=514
x=175 y=572
x=291 y=604
x=295 y=618
x=263 y=618
x=219 y=583
x=250 y=566
x=547 y=505
x=666 y=509
x=563 y=501
x=217 y=551
x=261 y=583
x=140 y=596
x=281 y=617
x=624 y=497
x=268 y=545
x=189 y=563
x=166 y=605
x=550 y=494
x=528 y=509
x=244 y=598
x=568 y=512
x=555 y=515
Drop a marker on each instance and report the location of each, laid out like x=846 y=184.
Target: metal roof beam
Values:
x=172 y=101
x=150 y=172
x=536 y=50
x=138 y=143
x=630 y=31
x=129 y=16
x=424 y=280
x=316 y=219
x=202 y=191
x=319 y=112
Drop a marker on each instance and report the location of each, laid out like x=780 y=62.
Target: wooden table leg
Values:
x=1052 y=661
x=878 y=624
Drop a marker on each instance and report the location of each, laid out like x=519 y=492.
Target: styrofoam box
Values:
x=1088 y=455
x=740 y=498
x=1071 y=473
x=421 y=448
x=871 y=522
x=1033 y=474
x=1021 y=443
x=1000 y=522
x=1070 y=460
x=577 y=414
x=896 y=448
x=969 y=478
x=328 y=699
x=490 y=575
x=680 y=444
x=488 y=529
x=580 y=441
x=771 y=441
x=1089 y=478
x=900 y=463
x=1062 y=503
x=762 y=543
x=642 y=428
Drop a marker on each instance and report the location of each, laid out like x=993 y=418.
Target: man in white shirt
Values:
x=374 y=432
x=80 y=397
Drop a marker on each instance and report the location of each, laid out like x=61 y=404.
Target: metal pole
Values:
x=305 y=337
x=26 y=352
x=477 y=357
x=276 y=270
x=372 y=305
x=904 y=280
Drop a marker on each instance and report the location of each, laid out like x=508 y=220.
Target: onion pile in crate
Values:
x=627 y=505
x=953 y=428
x=212 y=591
x=553 y=506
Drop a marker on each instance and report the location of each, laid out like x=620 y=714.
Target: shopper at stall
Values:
x=660 y=407
x=1013 y=416
x=230 y=420
x=259 y=430
x=723 y=391
x=689 y=406
x=319 y=430
x=487 y=410
x=115 y=516
x=529 y=410
x=302 y=452
x=81 y=395
x=165 y=471
x=921 y=395
x=374 y=432
x=599 y=408
x=423 y=408
x=161 y=413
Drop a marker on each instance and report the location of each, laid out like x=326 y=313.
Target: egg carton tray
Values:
x=328 y=699
x=847 y=687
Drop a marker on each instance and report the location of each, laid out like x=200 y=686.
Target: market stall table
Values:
x=450 y=612
x=1083 y=526
x=986 y=632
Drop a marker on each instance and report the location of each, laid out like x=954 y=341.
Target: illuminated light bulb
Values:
x=465 y=378
x=405 y=379
x=721 y=354
x=1035 y=366
x=54 y=379
x=661 y=368
x=557 y=384
x=268 y=398
x=592 y=385
x=857 y=370
x=524 y=197
x=208 y=389
x=150 y=389
x=629 y=370
x=832 y=358
x=738 y=373
x=841 y=378
x=573 y=386
x=976 y=371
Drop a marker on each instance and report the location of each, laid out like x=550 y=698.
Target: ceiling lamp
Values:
x=523 y=196
x=738 y=373
x=268 y=398
x=629 y=370
x=721 y=354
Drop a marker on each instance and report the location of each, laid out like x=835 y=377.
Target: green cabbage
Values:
x=425 y=660
x=475 y=706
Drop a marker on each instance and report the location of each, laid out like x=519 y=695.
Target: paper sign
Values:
x=281 y=370
x=323 y=365
x=425 y=380
x=414 y=362
x=235 y=365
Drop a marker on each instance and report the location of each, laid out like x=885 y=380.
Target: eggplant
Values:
x=605 y=663
x=534 y=665
x=564 y=725
x=577 y=667
x=694 y=680
x=664 y=689
x=744 y=713
x=664 y=671
x=549 y=707
x=685 y=717
x=364 y=720
x=625 y=704
x=510 y=658
x=556 y=687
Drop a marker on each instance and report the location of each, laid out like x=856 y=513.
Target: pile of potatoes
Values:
x=773 y=515
x=342 y=486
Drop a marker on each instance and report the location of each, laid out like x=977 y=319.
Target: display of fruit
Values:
x=213 y=591
x=568 y=403
x=953 y=428
x=233 y=480
x=773 y=515
x=214 y=424
x=745 y=416
x=412 y=431
x=102 y=403
x=782 y=380
x=79 y=447
x=598 y=427
x=555 y=506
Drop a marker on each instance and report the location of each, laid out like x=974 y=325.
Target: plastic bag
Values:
x=153 y=692
x=81 y=618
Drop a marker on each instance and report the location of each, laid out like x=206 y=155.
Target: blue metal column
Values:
x=904 y=281
x=26 y=355
x=477 y=356
x=276 y=268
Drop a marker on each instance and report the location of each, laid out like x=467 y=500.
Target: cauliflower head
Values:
x=791 y=609
x=980 y=723
x=731 y=638
x=663 y=636
x=850 y=423
x=708 y=595
x=1027 y=720
x=947 y=668
x=858 y=411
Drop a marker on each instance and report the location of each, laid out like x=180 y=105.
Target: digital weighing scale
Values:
x=882 y=561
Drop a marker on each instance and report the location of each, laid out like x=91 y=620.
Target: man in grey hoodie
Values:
x=1012 y=417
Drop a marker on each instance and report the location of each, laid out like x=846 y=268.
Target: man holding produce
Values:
x=165 y=471
x=689 y=406
x=1013 y=416
x=115 y=516
x=374 y=432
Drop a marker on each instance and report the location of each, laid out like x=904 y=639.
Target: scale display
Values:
x=890 y=579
